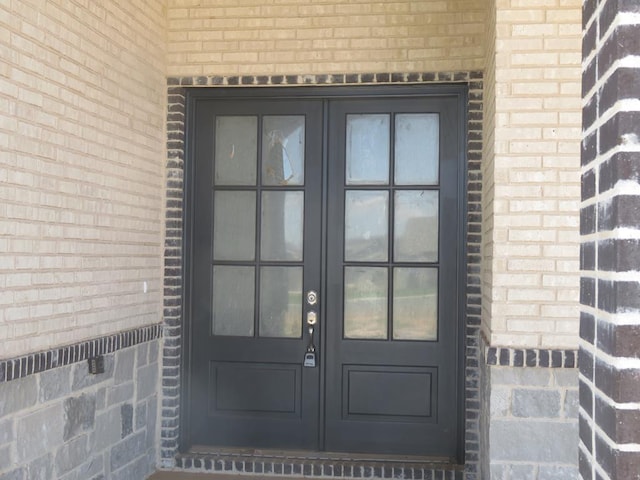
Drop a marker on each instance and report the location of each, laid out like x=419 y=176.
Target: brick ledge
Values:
x=20 y=367
x=527 y=357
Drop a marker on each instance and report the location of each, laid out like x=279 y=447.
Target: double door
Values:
x=324 y=273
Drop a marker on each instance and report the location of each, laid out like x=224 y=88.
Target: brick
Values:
x=621 y=385
x=620 y=211
x=620 y=296
x=616 y=463
x=619 y=340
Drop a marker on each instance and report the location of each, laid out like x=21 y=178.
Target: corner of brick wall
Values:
x=610 y=243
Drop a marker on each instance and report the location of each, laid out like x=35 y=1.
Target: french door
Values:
x=325 y=261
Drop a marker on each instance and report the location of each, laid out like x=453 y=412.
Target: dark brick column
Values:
x=609 y=358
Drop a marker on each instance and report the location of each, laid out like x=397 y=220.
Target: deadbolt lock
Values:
x=312 y=297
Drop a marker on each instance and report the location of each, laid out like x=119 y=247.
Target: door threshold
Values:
x=297 y=463
x=314 y=455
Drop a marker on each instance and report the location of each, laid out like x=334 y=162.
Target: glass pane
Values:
x=415 y=304
x=236 y=150
x=281 y=230
x=365 y=302
x=283 y=150
x=233 y=300
x=366 y=225
x=234 y=225
x=280 y=301
x=367 y=155
x=416 y=149
x=416 y=226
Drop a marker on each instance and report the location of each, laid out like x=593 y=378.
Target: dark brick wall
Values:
x=609 y=357
x=173 y=281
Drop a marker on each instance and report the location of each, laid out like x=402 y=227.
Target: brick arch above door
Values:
x=174 y=328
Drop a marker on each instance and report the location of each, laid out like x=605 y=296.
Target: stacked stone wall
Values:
x=66 y=423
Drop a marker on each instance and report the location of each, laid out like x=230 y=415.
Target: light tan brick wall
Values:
x=82 y=112
x=532 y=176
x=254 y=37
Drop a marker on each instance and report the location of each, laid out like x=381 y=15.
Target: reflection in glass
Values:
x=281 y=225
x=416 y=149
x=283 y=150
x=236 y=150
x=416 y=226
x=280 y=301
x=367 y=152
x=233 y=300
x=234 y=225
x=366 y=225
x=415 y=304
x=365 y=302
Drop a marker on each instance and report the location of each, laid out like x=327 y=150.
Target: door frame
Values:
x=192 y=96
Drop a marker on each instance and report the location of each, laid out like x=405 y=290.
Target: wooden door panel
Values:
x=257 y=389
x=400 y=394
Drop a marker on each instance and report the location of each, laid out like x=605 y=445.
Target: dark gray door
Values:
x=392 y=269
x=256 y=250
x=326 y=230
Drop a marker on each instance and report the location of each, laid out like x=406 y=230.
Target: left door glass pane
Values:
x=233 y=300
x=281 y=226
x=236 y=150
x=283 y=150
x=234 y=225
x=280 y=301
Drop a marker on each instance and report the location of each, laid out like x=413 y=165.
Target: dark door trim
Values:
x=195 y=95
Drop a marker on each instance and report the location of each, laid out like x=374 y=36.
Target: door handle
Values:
x=310 y=354
x=312 y=317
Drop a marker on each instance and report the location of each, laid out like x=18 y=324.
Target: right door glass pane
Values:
x=416 y=149
x=365 y=302
x=366 y=225
x=234 y=225
x=367 y=149
x=233 y=300
x=415 y=226
x=236 y=150
x=415 y=303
